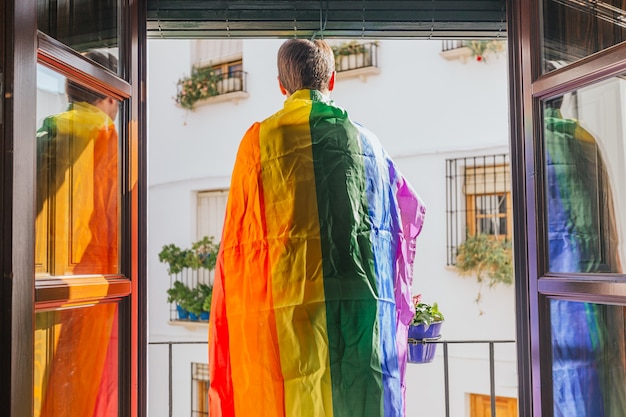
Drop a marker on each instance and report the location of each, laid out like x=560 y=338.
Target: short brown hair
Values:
x=305 y=64
x=77 y=92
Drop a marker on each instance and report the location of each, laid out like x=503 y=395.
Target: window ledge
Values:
x=189 y=325
x=361 y=73
x=235 y=96
x=462 y=54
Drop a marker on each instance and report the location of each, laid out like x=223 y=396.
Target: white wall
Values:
x=424 y=109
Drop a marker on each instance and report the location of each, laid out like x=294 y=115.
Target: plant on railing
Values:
x=201 y=84
x=201 y=255
x=425 y=314
x=349 y=48
x=352 y=55
x=488 y=259
x=425 y=327
x=481 y=48
x=181 y=295
x=195 y=300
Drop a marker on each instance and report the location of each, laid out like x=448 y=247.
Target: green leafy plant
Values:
x=480 y=48
x=349 y=48
x=488 y=259
x=196 y=300
x=201 y=84
x=425 y=314
x=202 y=254
x=180 y=294
x=205 y=293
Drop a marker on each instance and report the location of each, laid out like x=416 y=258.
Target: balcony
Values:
x=353 y=59
x=432 y=388
x=206 y=85
x=463 y=50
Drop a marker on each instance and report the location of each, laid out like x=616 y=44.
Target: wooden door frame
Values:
x=18 y=65
x=17 y=177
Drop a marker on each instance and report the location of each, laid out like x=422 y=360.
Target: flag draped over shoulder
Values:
x=312 y=294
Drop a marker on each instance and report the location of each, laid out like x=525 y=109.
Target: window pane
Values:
x=76 y=362
x=491 y=214
x=586 y=178
x=82 y=25
x=574 y=29
x=77 y=179
x=588 y=359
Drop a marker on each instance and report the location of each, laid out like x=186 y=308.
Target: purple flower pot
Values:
x=418 y=350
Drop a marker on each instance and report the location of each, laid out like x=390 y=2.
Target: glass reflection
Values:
x=574 y=29
x=585 y=191
x=83 y=25
x=76 y=362
x=77 y=179
x=588 y=359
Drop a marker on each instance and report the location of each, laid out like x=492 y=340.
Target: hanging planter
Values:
x=421 y=348
x=424 y=329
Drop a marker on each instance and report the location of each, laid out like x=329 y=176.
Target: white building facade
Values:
x=429 y=111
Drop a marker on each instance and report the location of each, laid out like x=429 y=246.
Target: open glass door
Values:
x=573 y=108
x=86 y=346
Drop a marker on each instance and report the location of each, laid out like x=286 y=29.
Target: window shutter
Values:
x=211 y=212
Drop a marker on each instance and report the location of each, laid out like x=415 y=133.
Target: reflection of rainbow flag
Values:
x=312 y=292
x=587 y=339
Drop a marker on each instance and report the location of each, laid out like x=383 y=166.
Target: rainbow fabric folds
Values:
x=588 y=356
x=312 y=294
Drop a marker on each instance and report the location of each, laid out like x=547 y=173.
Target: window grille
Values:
x=478 y=199
x=199 y=389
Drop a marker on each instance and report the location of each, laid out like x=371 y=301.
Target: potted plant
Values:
x=487 y=258
x=194 y=306
x=351 y=55
x=202 y=254
x=201 y=84
x=181 y=295
x=190 y=299
x=425 y=327
x=480 y=48
x=205 y=294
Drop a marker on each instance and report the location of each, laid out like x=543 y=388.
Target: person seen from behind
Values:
x=312 y=295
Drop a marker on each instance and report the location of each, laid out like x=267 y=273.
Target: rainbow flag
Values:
x=588 y=357
x=312 y=295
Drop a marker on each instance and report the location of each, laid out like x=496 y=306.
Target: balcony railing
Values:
x=443 y=360
x=191 y=278
x=448 y=45
x=357 y=55
x=232 y=82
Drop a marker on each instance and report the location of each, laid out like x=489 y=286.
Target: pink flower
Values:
x=417 y=299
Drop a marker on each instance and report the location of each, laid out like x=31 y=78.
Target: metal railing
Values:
x=448 y=45
x=170 y=379
x=492 y=372
x=446 y=369
x=232 y=82
x=360 y=56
